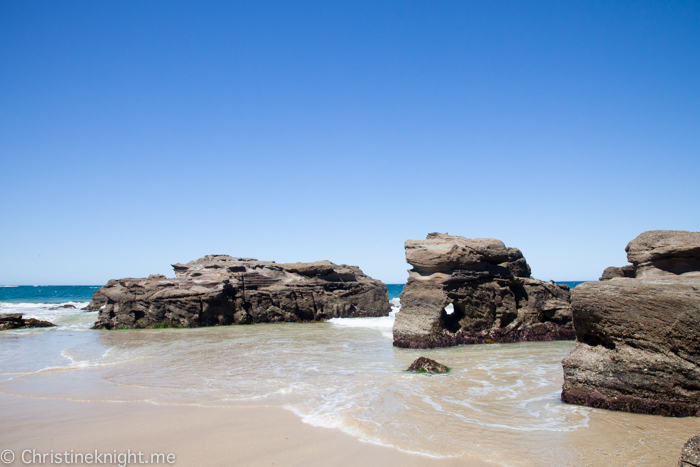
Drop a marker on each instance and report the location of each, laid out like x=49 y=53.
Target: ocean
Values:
x=500 y=402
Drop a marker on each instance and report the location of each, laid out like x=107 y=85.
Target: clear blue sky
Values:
x=138 y=134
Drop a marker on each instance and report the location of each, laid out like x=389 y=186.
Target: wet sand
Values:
x=198 y=436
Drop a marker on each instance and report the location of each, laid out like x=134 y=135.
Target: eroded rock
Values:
x=470 y=291
x=221 y=290
x=638 y=339
x=659 y=254
x=98 y=301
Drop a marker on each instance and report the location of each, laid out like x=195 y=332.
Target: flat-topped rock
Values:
x=221 y=289
x=443 y=252
x=638 y=338
x=470 y=291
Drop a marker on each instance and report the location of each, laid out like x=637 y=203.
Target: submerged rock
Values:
x=426 y=365
x=471 y=291
x=638 y=338
x=15 y=321
x=690 y=454
x=220 y=290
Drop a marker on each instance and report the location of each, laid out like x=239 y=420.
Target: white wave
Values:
x=73 y=319
x=383 y=323
x=336 y=421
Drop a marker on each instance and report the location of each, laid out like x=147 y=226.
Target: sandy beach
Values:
x=202 y=436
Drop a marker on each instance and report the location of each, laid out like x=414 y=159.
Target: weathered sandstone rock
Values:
x=426 y=365
x=638 y=339
x=663 y=253
x=614 y=272
x=15 y=321
x=660 y=253
x=690 y=454
x=469 y=291
x=98 y=301
x=220 y=289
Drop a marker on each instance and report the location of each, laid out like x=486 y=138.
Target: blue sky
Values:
x=138 y=134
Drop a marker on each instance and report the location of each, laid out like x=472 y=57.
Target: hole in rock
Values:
x=450 y=317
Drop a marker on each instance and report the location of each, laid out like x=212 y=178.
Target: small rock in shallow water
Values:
x=426 y=365
x=15 y=321
x=690 y=454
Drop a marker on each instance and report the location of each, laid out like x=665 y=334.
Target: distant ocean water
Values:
x=394 y=290
x=46 y=293
x=45 y=302
x=571 y=284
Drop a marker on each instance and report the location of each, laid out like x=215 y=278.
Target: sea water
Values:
x=500 y=402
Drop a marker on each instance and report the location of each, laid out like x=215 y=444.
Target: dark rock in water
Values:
x=62 y=306
x=473 y=291
x=638 y=339
x=426 y=365
x=690 y=454
x=15 y=321
x=220 y=290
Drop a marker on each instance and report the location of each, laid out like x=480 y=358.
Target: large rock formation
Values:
x=638 y=337
x=219 y=290
x=470 y=291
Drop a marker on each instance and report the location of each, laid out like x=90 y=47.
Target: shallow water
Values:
x=500 y=402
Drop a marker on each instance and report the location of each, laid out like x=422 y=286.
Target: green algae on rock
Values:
x=426 y=365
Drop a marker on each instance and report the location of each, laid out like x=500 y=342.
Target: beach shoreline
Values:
x=196 y=435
